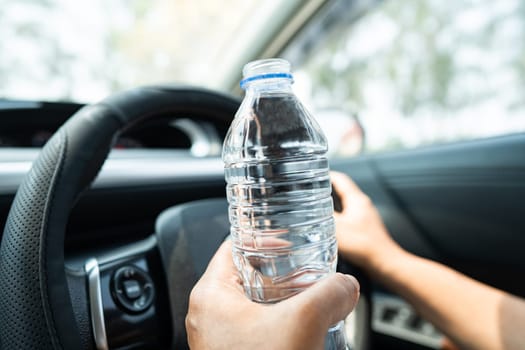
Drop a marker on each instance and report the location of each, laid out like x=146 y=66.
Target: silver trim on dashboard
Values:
x=399 y=326
x=205 y=140
x=124 y=168
x=95 y=304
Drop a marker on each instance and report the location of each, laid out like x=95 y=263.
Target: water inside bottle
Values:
x=282 y=227
x=274 y=276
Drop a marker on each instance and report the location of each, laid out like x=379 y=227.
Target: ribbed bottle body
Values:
x=281 y=225
x=278 y=189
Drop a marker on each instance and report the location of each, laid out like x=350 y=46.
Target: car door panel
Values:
x=466 y=200
x=459 y=204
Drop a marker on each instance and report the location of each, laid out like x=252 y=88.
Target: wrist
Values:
x=387 y=261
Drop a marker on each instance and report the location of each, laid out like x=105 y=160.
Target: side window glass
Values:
x=401 y=74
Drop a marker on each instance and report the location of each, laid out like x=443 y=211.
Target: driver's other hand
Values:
x=361 y=235
x=220 y=316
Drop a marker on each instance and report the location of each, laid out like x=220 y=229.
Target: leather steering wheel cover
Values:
x=35 y=306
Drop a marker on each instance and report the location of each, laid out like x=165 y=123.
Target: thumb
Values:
x=328 y=301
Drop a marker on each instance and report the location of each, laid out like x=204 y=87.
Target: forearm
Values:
x=473 y=315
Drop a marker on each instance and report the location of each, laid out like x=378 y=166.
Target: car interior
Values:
x=111 y=209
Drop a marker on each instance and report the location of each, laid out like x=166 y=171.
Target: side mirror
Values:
x=345 y=134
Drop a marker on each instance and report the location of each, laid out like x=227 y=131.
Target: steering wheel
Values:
x=44 y=307
x=36 y=308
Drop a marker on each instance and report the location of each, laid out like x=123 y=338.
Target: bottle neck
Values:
x=269 y=86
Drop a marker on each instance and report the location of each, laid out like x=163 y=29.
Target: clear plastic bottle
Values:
x=278 y=189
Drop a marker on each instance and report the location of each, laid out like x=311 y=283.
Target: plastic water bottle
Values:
x=278 y=189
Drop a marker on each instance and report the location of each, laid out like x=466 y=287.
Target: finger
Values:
x=328 y=301
x=345 y=188
x=221 y=265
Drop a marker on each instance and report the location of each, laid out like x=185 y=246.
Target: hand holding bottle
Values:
x=221 y=317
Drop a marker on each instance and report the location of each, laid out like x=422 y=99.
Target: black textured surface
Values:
x=22 y=318
x=77 y=283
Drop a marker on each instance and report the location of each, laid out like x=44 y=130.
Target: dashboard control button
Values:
x=132 y=289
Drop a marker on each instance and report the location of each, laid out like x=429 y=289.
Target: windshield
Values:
x=84 y=50
x=404 y=74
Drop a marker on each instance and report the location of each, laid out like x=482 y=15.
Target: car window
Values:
x=405 y=73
